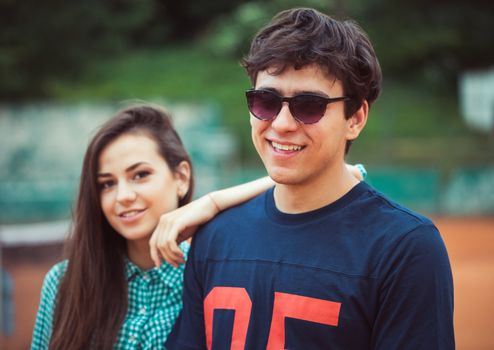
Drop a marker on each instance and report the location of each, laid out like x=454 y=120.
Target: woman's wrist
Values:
x=216 y=207
x=362 y=170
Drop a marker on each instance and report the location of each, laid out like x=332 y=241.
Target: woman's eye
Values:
x=141 y=174
x=106 y=184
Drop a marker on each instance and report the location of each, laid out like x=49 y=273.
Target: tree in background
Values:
x=55 y=39
x=51 y=39
x=435 y=40
x=43 y=41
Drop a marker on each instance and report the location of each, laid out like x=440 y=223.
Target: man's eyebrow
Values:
x=297 y=92
x=313 y=92
x=269 y=89
x=130 y=168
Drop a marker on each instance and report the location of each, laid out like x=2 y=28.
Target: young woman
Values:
x=113 y=291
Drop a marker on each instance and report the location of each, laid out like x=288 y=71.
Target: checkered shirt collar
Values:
x=166 y=273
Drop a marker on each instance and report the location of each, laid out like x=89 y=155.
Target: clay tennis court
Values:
x=470 y=242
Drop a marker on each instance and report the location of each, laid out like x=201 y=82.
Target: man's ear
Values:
x=357 y=121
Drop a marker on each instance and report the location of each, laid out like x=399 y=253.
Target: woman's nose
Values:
x=125 y=192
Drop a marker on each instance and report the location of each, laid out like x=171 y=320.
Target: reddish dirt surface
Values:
x=470 y=243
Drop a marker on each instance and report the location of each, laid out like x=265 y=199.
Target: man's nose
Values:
x=285 y=121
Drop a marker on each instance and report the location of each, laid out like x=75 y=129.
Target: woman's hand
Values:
x=357 y=170
x=177 y=226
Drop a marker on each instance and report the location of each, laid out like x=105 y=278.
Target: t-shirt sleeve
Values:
x=189 y=331
x=416 y=295
x=44 y=318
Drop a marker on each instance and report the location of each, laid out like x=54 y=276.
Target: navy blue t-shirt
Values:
x=359 y=273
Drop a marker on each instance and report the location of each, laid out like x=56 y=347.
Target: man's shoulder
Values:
x=377 y=208
x=394 y=230
x=251 y=208
x=234 y=219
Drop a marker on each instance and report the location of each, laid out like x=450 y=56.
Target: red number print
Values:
x=231 y=298
x=285 y=305
x=302 y=308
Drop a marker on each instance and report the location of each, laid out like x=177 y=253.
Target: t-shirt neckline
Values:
x=284 y=218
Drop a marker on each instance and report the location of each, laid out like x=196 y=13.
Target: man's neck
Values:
x=314 y=194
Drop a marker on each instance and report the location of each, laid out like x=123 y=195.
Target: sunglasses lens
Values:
x=263 y=104
x=307 y=108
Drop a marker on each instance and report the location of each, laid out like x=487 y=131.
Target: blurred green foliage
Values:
x=230 y=34
x=176 y=74
x=189 y=51
x=45 y=40
x=436 y=40
x=41 y=41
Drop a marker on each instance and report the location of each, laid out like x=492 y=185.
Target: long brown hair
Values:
x=92 y=298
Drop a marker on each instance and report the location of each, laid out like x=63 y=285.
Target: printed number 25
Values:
x=285 y=305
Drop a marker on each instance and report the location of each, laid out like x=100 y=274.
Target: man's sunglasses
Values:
x=306 y=108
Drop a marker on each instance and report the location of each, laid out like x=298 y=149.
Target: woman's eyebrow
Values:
x=129 y=169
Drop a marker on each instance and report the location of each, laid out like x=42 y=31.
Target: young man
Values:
x=321 y=261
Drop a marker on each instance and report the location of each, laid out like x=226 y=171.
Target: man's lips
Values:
x=287 y=147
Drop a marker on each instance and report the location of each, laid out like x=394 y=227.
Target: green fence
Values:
x=42 y=148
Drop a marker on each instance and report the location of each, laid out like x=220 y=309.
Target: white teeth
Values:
x=130 y=213
x=286 y=147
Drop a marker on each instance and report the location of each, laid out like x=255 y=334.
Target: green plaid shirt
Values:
x=155 y=300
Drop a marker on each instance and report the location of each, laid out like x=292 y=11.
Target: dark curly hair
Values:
x=300 y=37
